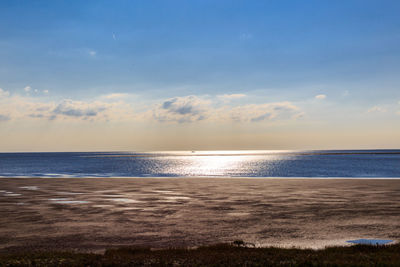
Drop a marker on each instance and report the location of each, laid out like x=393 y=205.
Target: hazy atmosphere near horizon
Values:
x=199 y=75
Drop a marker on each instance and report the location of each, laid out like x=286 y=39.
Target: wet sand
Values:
x=91 y=214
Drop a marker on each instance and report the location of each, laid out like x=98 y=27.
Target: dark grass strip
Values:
x=216 y=255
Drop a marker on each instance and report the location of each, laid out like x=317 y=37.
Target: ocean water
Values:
x=327 y=163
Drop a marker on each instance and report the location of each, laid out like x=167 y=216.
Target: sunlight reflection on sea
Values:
x=268 y=163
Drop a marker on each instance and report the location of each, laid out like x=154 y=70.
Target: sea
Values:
x=261 y=164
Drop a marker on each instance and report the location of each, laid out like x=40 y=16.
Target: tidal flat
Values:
x=95 y=214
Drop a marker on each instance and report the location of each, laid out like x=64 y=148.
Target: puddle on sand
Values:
x=33 y=187
x=370 y=241
x=125 y=200
x=177 y=198
x=11 y=194
x=67 y=201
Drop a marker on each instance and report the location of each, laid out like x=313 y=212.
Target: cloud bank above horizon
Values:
x=175 y=119
x=117 y=107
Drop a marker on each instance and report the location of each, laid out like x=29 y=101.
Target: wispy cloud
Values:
x=320 y=97
x=265 y=112
x=245 y=36
x=376 y=109
x=92 y=53
x=230 y=97
x=398 y=112
x=27 y=107
x=28 y=90
x=114 y=96
x=3 y=93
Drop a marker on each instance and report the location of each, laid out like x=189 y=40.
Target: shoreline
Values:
x=200 y=177
x=93 y=214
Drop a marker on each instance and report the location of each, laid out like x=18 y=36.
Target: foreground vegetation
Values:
x=236 y=254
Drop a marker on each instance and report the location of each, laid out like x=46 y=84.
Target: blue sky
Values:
x=75 y=54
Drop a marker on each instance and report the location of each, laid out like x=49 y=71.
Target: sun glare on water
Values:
x=218 y=163
x=214 y=165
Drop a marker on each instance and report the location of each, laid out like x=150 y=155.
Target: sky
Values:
x=199 y=75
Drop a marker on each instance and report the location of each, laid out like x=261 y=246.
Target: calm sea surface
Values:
x=332 y=163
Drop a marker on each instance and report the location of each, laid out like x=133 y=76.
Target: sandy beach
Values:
x=91 y=214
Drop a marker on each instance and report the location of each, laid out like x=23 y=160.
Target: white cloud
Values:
x=376 y=109
x=28 y=89
x=25 y=108
x=320 y=97
x=92 y=53
x=78 y=109
x=3 y=93
x=230 y=97
x=186 y=109
x=265 y=112
x=194 y=108
x=114 y=96
x=182 y=109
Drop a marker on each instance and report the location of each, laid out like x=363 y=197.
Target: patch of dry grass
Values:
x=216 y=255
